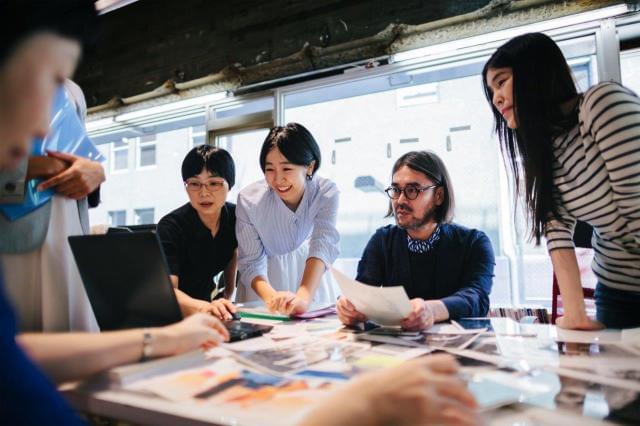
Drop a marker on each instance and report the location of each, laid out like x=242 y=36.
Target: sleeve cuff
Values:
x=12 y=184
x=457 y=308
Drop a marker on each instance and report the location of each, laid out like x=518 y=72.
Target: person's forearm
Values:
x=313 y=270
x=565 y=266
x=73 y=356
x=229 y=286
x=262 y=288
x=230 y=274
x=439 y=310
x=188 y=305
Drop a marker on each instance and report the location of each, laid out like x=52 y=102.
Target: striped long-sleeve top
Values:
x=596 y=174
x=265 y=226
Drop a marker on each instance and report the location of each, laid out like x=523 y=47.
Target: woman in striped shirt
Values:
x=579 y=157
x=286 y=226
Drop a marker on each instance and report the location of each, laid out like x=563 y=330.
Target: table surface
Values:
x=593 y=379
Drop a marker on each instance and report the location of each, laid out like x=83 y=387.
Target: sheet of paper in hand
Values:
x=383 y=305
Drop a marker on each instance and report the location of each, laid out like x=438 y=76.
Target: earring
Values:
x=309 y=177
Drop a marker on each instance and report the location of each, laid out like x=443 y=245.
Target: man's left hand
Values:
x=420 y=317
x=81 y=178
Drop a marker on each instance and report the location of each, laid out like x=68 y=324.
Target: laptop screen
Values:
x=127 y=280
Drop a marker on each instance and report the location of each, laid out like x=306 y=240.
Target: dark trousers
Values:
x=617 y=308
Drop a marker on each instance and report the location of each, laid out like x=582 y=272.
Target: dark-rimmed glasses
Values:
x=211 y=186
x=410 y=191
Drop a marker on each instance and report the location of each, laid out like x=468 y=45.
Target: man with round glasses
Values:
x=446 y=269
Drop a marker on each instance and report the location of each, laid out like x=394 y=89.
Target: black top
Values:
x=458 y=270
x=193 y=254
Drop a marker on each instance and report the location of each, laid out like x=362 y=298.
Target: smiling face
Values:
x=500 y=81
x=288 y=180
x=413 y=214
x=28 y=80
x=207 y=193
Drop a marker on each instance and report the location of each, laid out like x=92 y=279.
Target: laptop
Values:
x=127 y=281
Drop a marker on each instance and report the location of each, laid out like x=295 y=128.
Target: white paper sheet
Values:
x=383 y=305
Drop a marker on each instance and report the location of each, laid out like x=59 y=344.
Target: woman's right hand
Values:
x=198 y=330
x=347 y=313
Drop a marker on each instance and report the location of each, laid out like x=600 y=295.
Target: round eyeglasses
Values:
x=211 y=186
x=410 y=191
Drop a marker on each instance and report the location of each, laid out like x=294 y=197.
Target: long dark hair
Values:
x=429 y=164
x=542 y=82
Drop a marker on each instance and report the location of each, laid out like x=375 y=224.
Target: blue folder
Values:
x=66 y=134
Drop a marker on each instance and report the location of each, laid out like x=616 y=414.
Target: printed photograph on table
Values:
x=247 y=388
x=448 y=341
x=295 y=355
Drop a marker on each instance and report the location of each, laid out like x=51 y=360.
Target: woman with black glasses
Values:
x=199 y=238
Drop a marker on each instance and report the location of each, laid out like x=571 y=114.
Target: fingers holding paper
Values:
x=347 y=313
x=420 y=318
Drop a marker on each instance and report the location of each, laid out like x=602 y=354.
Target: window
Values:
x=146 y=151
x=440 y=108
x=118 y=218
x=197 y=135
x=120 y=155
x=244 y=147
x=159 y=187
x=381 y=132
x=144 y=216
x=630 y=67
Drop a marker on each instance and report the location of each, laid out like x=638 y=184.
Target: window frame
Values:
x=112 y=156
x=139 y=143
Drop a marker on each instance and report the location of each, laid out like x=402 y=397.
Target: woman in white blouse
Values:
x=286 y=226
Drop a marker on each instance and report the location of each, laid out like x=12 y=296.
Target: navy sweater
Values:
x=458 y=270
x=27 y=397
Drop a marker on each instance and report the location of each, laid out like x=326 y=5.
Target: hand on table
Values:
x=582 y=322
x=81 y=178
x=420 y=317
x=288 y=303
x=198 y=330
x=219 y=308
x=347 y=313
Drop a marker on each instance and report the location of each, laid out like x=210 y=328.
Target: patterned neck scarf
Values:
x=423 y=246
